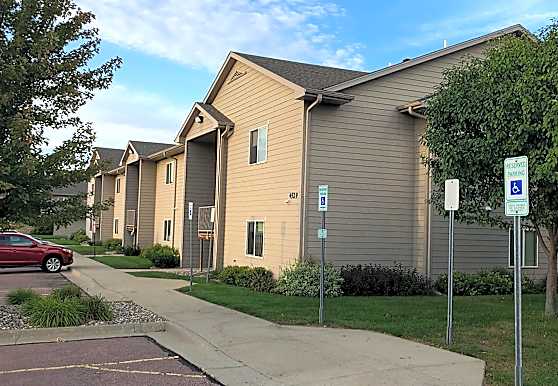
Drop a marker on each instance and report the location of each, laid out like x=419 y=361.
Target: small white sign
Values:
x=323 y=191
x=451 y=195
x=322 y=233
x=212 y=217
x=516 y=185
x=190 y=210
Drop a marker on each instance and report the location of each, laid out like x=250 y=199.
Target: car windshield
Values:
x=37 y=240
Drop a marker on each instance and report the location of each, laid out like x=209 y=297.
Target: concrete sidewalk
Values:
x=238 y=349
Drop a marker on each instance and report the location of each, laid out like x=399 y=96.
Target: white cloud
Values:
x=486 y=17
x=120 y=114
x=200 y=33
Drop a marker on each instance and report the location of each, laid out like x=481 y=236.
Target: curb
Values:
x=47 y=335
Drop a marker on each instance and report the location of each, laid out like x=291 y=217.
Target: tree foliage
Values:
x=46 y=47
x=488 y=109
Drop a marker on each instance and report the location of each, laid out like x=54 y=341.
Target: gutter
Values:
x=304 y=182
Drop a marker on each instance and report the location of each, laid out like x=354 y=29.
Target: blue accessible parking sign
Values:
x=516 y=187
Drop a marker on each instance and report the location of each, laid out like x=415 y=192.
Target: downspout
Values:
x=301 y=248
x=217 y=225
x=174 y=198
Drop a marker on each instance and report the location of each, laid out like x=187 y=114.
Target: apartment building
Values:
x=269 y=131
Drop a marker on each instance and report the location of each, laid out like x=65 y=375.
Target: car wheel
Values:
x=52 y=264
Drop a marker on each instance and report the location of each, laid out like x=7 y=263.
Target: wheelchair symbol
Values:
x=516 y=187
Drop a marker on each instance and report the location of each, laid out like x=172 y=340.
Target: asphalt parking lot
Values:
x=29 y=277
x=116 y=361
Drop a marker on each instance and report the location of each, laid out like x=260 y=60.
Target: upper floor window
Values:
x=258 y=145
x=118 y=185
x=530 y=248
x=169 y=176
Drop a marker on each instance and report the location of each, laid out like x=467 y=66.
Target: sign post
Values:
x=210 y=252
x=451 y=204
x=190 y=216
x=516 y=180
x=323 y=192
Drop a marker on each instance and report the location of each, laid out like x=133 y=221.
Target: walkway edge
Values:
x=47 y=335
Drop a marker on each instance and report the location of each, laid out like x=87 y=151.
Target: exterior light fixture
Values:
x=199 y=119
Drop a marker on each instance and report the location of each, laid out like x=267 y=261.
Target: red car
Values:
x=18 y=249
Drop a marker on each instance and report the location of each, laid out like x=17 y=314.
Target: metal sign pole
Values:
x=451 y=204
x=210 y=252
x=517 y=294
x=322 y=263
x=190 y=215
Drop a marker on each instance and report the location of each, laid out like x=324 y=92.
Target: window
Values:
x=258 y=145
x=116 y=226
x=118 y=185
x=169 y=176
x=19 y=241
x=530 y=249
x=254 y=238
x=167 y=230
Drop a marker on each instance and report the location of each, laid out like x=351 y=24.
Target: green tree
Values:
x=46 y=47
x=485 y=110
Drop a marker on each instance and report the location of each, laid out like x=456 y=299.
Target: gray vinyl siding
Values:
x=131 y=201
x=368 y=154
x=106 y=225
x=146 y=203
x=200 y=189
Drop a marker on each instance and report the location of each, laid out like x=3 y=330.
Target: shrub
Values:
x=303 y=279
x=52 y=311
x=131 y=251
x=384 y=280
x=113 y=245
x=494 y=282
x=96 y=308
x=261 y=279
x=79 y=236
x=21 y=295
x=162 y=256
x=258 y=278
x=67 y=292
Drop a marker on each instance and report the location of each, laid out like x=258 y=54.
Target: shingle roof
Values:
x=110 y=158
x=308 y=76
x=215 y=114
x=71 y=190
x=146 y=148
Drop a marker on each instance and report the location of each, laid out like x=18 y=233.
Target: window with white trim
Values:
x=254 y=238
x=169 y=176
x=530 y=248
x=116 y=226
x=167 y=230
x=118 y=185
x=258 y=145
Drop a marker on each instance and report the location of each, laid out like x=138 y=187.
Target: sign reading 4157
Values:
x=516 y=179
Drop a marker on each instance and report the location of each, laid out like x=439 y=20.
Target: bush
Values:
x=494 y=282
x=67 y=292
x=131 y=251
x=161 y=256
x=52 y=311
x=303 y=279
x=258 y=278
x=384 y=280
x=21 y=295
x=113 y=245
x=79 y=236
x=96 y=308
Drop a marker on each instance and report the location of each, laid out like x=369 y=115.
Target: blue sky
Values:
x=172 y=49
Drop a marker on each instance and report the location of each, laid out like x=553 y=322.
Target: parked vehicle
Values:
x=18 y=249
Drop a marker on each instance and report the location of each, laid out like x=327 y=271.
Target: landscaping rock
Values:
x=11 y=318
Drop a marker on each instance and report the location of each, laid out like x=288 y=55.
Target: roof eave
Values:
x=328 y=97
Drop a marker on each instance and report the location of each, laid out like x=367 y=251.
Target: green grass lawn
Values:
x=167 y=275
x=56 y=240
x=87 y=249
x=483 y=328
x=125 y=262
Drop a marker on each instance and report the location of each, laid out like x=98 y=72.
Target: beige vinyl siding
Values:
x=146 y=203
x=119 y=211
x=368 y=154
x=260 y=191
x=165 y=198
x=106 y=225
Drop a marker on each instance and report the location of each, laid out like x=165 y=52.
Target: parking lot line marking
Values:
x=101 y=366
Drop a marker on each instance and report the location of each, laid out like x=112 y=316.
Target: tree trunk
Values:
x=550 y=307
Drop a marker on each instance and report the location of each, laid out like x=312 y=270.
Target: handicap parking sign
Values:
x=516 y=187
